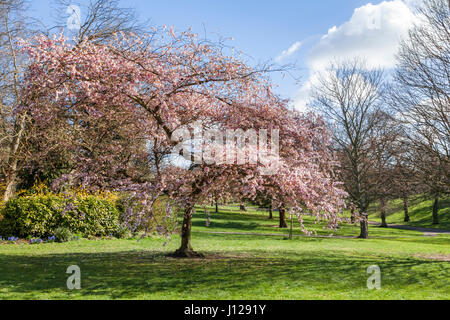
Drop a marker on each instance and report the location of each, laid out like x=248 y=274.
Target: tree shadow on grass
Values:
x=150 y=274
x=243 y=226
x=229 y=215
x=231 y=220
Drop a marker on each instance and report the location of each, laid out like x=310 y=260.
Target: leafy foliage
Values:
x=122 y=232
x=41 y=215
x=63 y=234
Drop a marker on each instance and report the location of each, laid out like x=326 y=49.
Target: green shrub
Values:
x=122 y=233
x=63 y=234
x=41 y=215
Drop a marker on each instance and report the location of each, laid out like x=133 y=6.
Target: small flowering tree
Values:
x=149 y=88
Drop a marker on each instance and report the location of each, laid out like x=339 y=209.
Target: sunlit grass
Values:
x=420 y=212
x=237 y=266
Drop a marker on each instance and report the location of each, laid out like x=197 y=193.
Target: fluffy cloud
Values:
x=286 y=53
x=373 y=32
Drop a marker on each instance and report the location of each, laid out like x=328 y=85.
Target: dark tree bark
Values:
x=364 y=224
x=242 y=207
x=270 y=213
x=405 y=207
x=185 y=251
x=436 y=209
x=352 y=215
x=217 y=207
x=283 y=223
x=383 y=212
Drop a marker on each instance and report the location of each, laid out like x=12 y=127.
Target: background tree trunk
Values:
x=217 y=207
x=352 y=215
x=242 y=207
x=283 y=223
x=364 y=224
x=436 y=209
x=383 y=212
x=405 y=207
x=270 y=213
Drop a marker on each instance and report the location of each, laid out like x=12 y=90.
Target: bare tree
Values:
x=406 y=179
x=349 y=95
x=12 y=26
x=99 y=20
x=384 y=149
x=422 y=96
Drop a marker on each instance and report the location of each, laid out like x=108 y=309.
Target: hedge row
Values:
x=41 y=215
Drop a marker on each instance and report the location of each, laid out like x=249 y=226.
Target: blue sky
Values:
x=264 y=29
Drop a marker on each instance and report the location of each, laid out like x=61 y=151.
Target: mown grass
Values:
x=237 y=266
x=229 y=219
x=420 y=212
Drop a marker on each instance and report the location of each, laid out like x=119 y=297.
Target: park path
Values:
x=426 y=231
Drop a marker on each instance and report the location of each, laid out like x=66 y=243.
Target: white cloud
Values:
x=413 y=3
x=286 y=53
x=373 y=33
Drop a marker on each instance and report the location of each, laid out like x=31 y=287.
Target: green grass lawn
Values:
x=420 y=212
x=237 y=266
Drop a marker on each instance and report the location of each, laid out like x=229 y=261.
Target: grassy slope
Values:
x=420 y=212
x=236 y=267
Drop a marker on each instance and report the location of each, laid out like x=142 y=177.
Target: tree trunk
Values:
x=436 y=209
x=352 y=215
x=217 y=207
x=383 y=212
x=405 y=207
x=364 y=224
x=283 y=223
x=19 y=125
x=11 y=180
x=291 y=226
x=242 y=207
x=11 y=184
x=270 y=213
x=185 y=251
